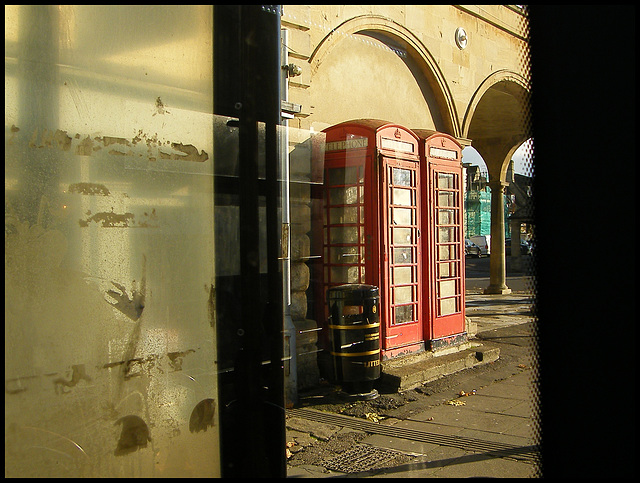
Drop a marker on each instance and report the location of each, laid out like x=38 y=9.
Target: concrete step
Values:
x=409 y=372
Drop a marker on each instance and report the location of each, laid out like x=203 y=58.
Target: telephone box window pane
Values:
x=343 y=196
x=403 y=295
x=344 y=234
x=402 y=236
x=345 y=275
x=404 y=314
x=446 y=217
x=445 y=180
x=402 y=275
x=344 y=255
x=446 y=198
x=447 y=252
x=446 y=234
x=402 y=255
x=402 y=197
x=446 y=270
x=443 y=270
x=403 y=216
x=343 y=214
x=346 y=175
x=448 y=306
x=402 y=177
x=447 y=288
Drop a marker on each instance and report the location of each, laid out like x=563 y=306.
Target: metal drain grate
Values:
x=363 y=458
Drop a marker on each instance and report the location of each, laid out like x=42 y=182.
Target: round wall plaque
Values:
x=461 y=38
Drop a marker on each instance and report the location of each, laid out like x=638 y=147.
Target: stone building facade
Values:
x=460 y=70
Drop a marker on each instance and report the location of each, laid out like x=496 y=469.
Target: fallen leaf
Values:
x=455 y=403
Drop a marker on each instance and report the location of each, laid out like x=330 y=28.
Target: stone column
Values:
x=497 y=262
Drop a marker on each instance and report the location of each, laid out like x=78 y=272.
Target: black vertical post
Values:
x=252 y=432
x=274 y=317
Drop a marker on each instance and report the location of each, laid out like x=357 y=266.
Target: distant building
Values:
x=477 y=202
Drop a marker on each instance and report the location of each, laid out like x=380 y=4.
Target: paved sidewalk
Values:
x=492 y=432
x=496 y=423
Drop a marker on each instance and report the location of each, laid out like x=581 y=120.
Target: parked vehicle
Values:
x=471 y=249
x=484 y=242
x=525 y=248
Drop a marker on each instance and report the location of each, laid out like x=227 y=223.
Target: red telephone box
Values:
x=392 y=214
x=372 y=216
x=444 y=281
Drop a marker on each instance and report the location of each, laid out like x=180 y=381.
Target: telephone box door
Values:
x=402 y=253
x=446 y=284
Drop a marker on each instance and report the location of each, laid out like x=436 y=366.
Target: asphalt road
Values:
x=520 y=274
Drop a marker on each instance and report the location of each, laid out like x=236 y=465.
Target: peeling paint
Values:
x=160 y=107
x=85 y=145
x=175 y=359
x=109 y=219
x=89 y=189
x=189 y=150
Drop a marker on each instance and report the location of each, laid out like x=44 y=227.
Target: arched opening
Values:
x=372 y=67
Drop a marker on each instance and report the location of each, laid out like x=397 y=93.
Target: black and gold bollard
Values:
x=354 y=329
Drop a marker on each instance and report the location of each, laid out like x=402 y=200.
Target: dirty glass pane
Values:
x=110 y=347
x=402 y=177
x=403 y=295
x=445 y=180
x=402 y=197
x=404 y=313
x=446 y=217
x=344 y=234
x=343 y=196
x=446 y=252
x=402 y=275
x=345 y=275
x=344 y=255
x=448 y=306
x=446 y=234
x=402 y=236
x=446 y=198
x=403 y=216
x=403 y=255
x=447 y=288
x=343 y=214
x=446 y=270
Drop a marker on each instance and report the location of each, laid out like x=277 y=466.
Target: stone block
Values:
x=299 y=277
x=298 y=305
x=300 y=247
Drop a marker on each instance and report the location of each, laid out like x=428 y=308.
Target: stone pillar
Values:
x=497 y=262
x=306 y=349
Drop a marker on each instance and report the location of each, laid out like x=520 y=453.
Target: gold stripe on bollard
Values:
x=355 y=354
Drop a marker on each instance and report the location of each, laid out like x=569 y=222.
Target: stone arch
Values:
x=377 y=27
x=497 y=119
x=493 y=79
